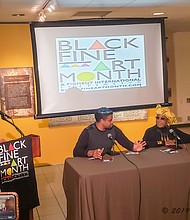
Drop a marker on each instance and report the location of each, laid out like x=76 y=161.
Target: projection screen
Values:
x=81 y=65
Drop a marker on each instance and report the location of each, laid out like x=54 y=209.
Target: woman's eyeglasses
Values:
x=161 y=118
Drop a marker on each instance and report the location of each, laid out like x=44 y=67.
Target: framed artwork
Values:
x=17 y=91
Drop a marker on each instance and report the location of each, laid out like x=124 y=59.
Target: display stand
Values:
x=17 y=173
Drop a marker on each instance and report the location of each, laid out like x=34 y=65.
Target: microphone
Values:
x=171 y=131
x=112 y=153
x=110 y=137
x=3 y=115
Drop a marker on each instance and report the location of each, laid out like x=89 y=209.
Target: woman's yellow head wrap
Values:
x=167 y=113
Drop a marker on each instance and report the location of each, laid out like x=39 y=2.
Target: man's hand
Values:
x=97 y=154
x=138 y=146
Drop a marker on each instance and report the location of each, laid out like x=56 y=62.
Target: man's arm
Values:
x=126 y=143
x=122 y=139
x=80 y=149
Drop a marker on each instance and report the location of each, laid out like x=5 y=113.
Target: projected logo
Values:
x=101 y=63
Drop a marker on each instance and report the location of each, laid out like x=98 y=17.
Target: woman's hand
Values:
x=170 y=142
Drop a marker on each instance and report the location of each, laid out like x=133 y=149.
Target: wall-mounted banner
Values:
x=17 y=91
x=87 y=119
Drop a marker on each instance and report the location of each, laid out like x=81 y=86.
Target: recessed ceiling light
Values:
x=91 y=13
x=18 y=15
x=158 y=13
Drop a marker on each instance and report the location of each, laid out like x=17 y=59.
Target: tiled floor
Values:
x=51 y=193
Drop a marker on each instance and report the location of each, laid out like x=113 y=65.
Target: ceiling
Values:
x=176 y=11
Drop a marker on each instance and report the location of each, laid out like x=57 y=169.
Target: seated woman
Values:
x=162 y=134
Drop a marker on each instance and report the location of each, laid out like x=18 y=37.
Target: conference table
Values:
x=152 y=185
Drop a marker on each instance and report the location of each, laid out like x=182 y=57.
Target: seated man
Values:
x=162 y=134
x=100 y=136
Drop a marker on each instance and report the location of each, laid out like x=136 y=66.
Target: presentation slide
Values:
x=83 y=66
x=101 y=63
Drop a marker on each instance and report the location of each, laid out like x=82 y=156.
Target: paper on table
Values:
x=169 y=150
x=132 y=152
x=107 y=158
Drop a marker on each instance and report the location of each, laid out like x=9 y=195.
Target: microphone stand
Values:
x=114 y=152
x=3 y=117
x=176 y=143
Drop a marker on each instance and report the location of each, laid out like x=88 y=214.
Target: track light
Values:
x=42 y=16
x=50 y=6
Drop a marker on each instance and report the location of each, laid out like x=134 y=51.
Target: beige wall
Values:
x=182 y=67
x=171 y=70
x=178 y=52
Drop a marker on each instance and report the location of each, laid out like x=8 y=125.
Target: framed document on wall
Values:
x=17 y=91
